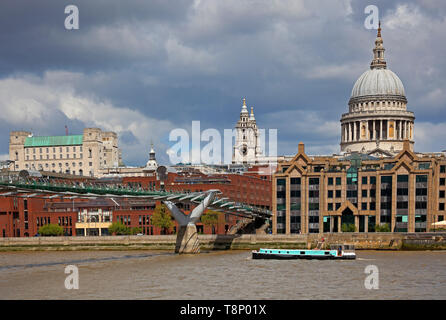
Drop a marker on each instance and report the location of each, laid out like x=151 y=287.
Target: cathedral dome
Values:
x=378 y=82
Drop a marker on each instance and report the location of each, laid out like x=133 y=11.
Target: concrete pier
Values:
x=187 y=240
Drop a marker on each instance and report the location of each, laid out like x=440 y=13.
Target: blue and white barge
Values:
x=336 y=252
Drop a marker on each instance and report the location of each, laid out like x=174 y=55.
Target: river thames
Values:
x=219 y=275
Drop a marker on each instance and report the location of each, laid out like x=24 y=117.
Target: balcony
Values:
x=295 y=226
x=313 y=225
x=420 y=225
x=401 y=225
x=421 y=185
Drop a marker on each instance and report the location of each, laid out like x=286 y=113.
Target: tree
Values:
x=51 y=230
x=348 y=227
x=161 y=218
x=118 y=228
x=136 y=230
x=210 y=218
x=382 y=228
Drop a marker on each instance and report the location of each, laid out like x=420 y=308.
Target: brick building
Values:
x=23 y=216
x=315 y=194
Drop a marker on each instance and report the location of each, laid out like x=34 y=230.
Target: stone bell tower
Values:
x=247 y=142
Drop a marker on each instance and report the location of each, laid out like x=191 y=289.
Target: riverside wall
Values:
x=362 y=241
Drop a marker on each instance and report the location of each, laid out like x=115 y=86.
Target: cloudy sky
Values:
x=142 y=68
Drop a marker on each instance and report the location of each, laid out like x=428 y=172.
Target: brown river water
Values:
x=219 y=275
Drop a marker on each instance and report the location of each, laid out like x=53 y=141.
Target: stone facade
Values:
x=82 y=154
x=378 y=122
x=319 y=194
x=247 y=141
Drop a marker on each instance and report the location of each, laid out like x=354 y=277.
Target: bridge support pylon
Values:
x=187 y=236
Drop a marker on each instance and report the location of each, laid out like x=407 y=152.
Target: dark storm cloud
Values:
x=177 y=61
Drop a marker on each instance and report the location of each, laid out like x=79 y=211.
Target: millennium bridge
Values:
x=187 y=237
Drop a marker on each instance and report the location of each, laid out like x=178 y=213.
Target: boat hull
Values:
x=277 y=256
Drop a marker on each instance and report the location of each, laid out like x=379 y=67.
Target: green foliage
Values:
x=348 y=227
x=51 y=230
x=136 y=230
x=210 y=218
x=118 y=228
x=161 y=218
x=382 y=228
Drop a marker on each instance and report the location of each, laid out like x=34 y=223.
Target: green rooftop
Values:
x=51 y=141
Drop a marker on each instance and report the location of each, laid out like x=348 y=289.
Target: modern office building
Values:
x=315 y=194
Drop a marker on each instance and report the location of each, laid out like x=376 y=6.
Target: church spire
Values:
x=251 y=116
x=244 y=108
x=378 y=61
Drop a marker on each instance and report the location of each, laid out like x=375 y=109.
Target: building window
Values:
x=364 y=206
x=90 y=164
x=338 y=193
x=330 y=181
x=330 y=194
x=338 y=181
x=372 y=180
x=441 y=206
x=364 y=180
x=441 y=194
x=442 y=181
x=364 y=193
x=330 y=206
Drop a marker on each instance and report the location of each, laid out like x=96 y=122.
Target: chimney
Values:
x=301 y=148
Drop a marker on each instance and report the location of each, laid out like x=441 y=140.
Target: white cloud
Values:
x=430 y=137
x=404 y=16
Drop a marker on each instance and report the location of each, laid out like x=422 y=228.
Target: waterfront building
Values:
x=82 y=155
x=378 y=121
x=315 y=194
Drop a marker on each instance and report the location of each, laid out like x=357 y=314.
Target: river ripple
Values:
x=219 y=275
